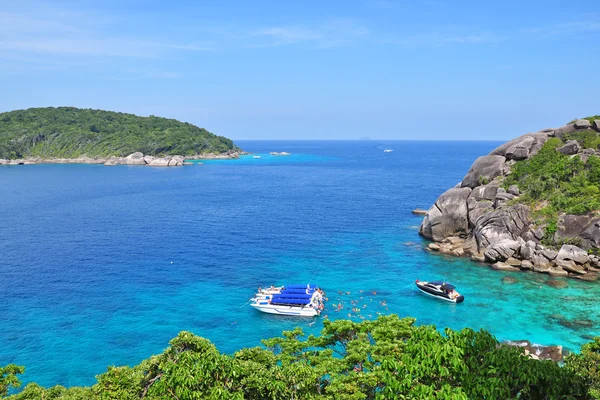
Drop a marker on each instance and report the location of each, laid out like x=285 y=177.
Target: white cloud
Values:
x=334 y=33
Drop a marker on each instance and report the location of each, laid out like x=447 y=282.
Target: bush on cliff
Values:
x=553 y=183
x=68 y=132
x=388 y=358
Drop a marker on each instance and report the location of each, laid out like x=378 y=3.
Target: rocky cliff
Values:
x=482 y=217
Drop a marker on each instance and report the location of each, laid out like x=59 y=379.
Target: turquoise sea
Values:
x=103 y=265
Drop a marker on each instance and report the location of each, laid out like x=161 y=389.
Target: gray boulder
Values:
x=569 y=148
x=502 y=250
x=571 y=226
x=500 y=266
x=520 y=150
x=148 y=159
x=448 y=216
x=569 y=252
x=541 y=263
x=564 y=130
x=522 y=147
x=484 y=192
x=527 y=252
x=500 y=224
x=549 y=254
x=596 y=124
x=591 y=234
x=526 y=264
x=176 y=161
x=135 y=159
x=484 y=169
x=514 y=190
x=160 y=162
x=582 y=124
x=477 y=209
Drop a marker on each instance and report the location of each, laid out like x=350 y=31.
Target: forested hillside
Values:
x=68 y=132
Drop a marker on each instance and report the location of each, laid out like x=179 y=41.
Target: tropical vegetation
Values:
x=387 y=358
x=69 y=132
x=552 y=183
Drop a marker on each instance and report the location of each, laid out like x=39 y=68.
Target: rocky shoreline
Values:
x=136 y=158
x=477 y=219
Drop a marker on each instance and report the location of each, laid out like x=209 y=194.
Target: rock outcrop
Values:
x=448 y=216
x=480 y=219
x=136 y=158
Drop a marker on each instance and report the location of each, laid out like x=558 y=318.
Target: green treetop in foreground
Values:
x=68 y=132
x=388 y=358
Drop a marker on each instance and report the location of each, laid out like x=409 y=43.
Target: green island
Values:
x=69 y=132
x=387 y=358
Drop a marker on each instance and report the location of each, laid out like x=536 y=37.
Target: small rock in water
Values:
x=509 y=280
x=555 y=283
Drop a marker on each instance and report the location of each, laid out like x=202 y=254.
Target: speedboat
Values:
x=440 y=290
x=388 y=150
x=295 y=300
x=255 y=156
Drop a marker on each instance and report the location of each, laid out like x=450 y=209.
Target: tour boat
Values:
x=440 y=290
x=295 y=300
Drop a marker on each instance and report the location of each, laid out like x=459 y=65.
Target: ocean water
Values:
x=103 y=265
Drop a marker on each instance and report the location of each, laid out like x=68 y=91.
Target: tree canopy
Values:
x=69 y=132
x=387 y=358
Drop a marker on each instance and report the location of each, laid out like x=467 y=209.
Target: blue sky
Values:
x=383 y=69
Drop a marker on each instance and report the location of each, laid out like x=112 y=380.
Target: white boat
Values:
x=440 y=290
x=388 y=150
x=255 y=156
x=294 y=300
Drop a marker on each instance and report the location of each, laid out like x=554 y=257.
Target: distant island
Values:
x=531 y=204
x=69 y=134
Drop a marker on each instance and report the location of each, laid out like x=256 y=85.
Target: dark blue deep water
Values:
x=103 y=265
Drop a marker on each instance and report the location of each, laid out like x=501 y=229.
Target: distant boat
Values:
x=255 y=156
x=295 y=300
x=441 y=290
x=388 y=150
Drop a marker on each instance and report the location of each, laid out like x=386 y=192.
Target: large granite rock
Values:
x=596 y=124
x=522 y=147
x=176 y=161
x=569 y=148
x=448 y=216
x=591 y=234
x=135 y=159
x=484 y=192
x=582 y=124
x=571 y=253
x=564 y=130
x=504 y=223
x=502 y=250
x=160 y=162
x=483 y=170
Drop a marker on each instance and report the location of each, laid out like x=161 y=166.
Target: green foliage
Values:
x=70 y=132
x=553 y=183
x=586 y=366
x=388 y=358
x=8 y=377
x=592 y=118
x=588 y=139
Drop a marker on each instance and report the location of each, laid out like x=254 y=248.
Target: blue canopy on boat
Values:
x=296 y=286
x=295 y=291
x=292 y=296
x=291 y=301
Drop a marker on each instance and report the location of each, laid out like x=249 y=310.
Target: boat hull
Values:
x=306 y=311
x=438 y=295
